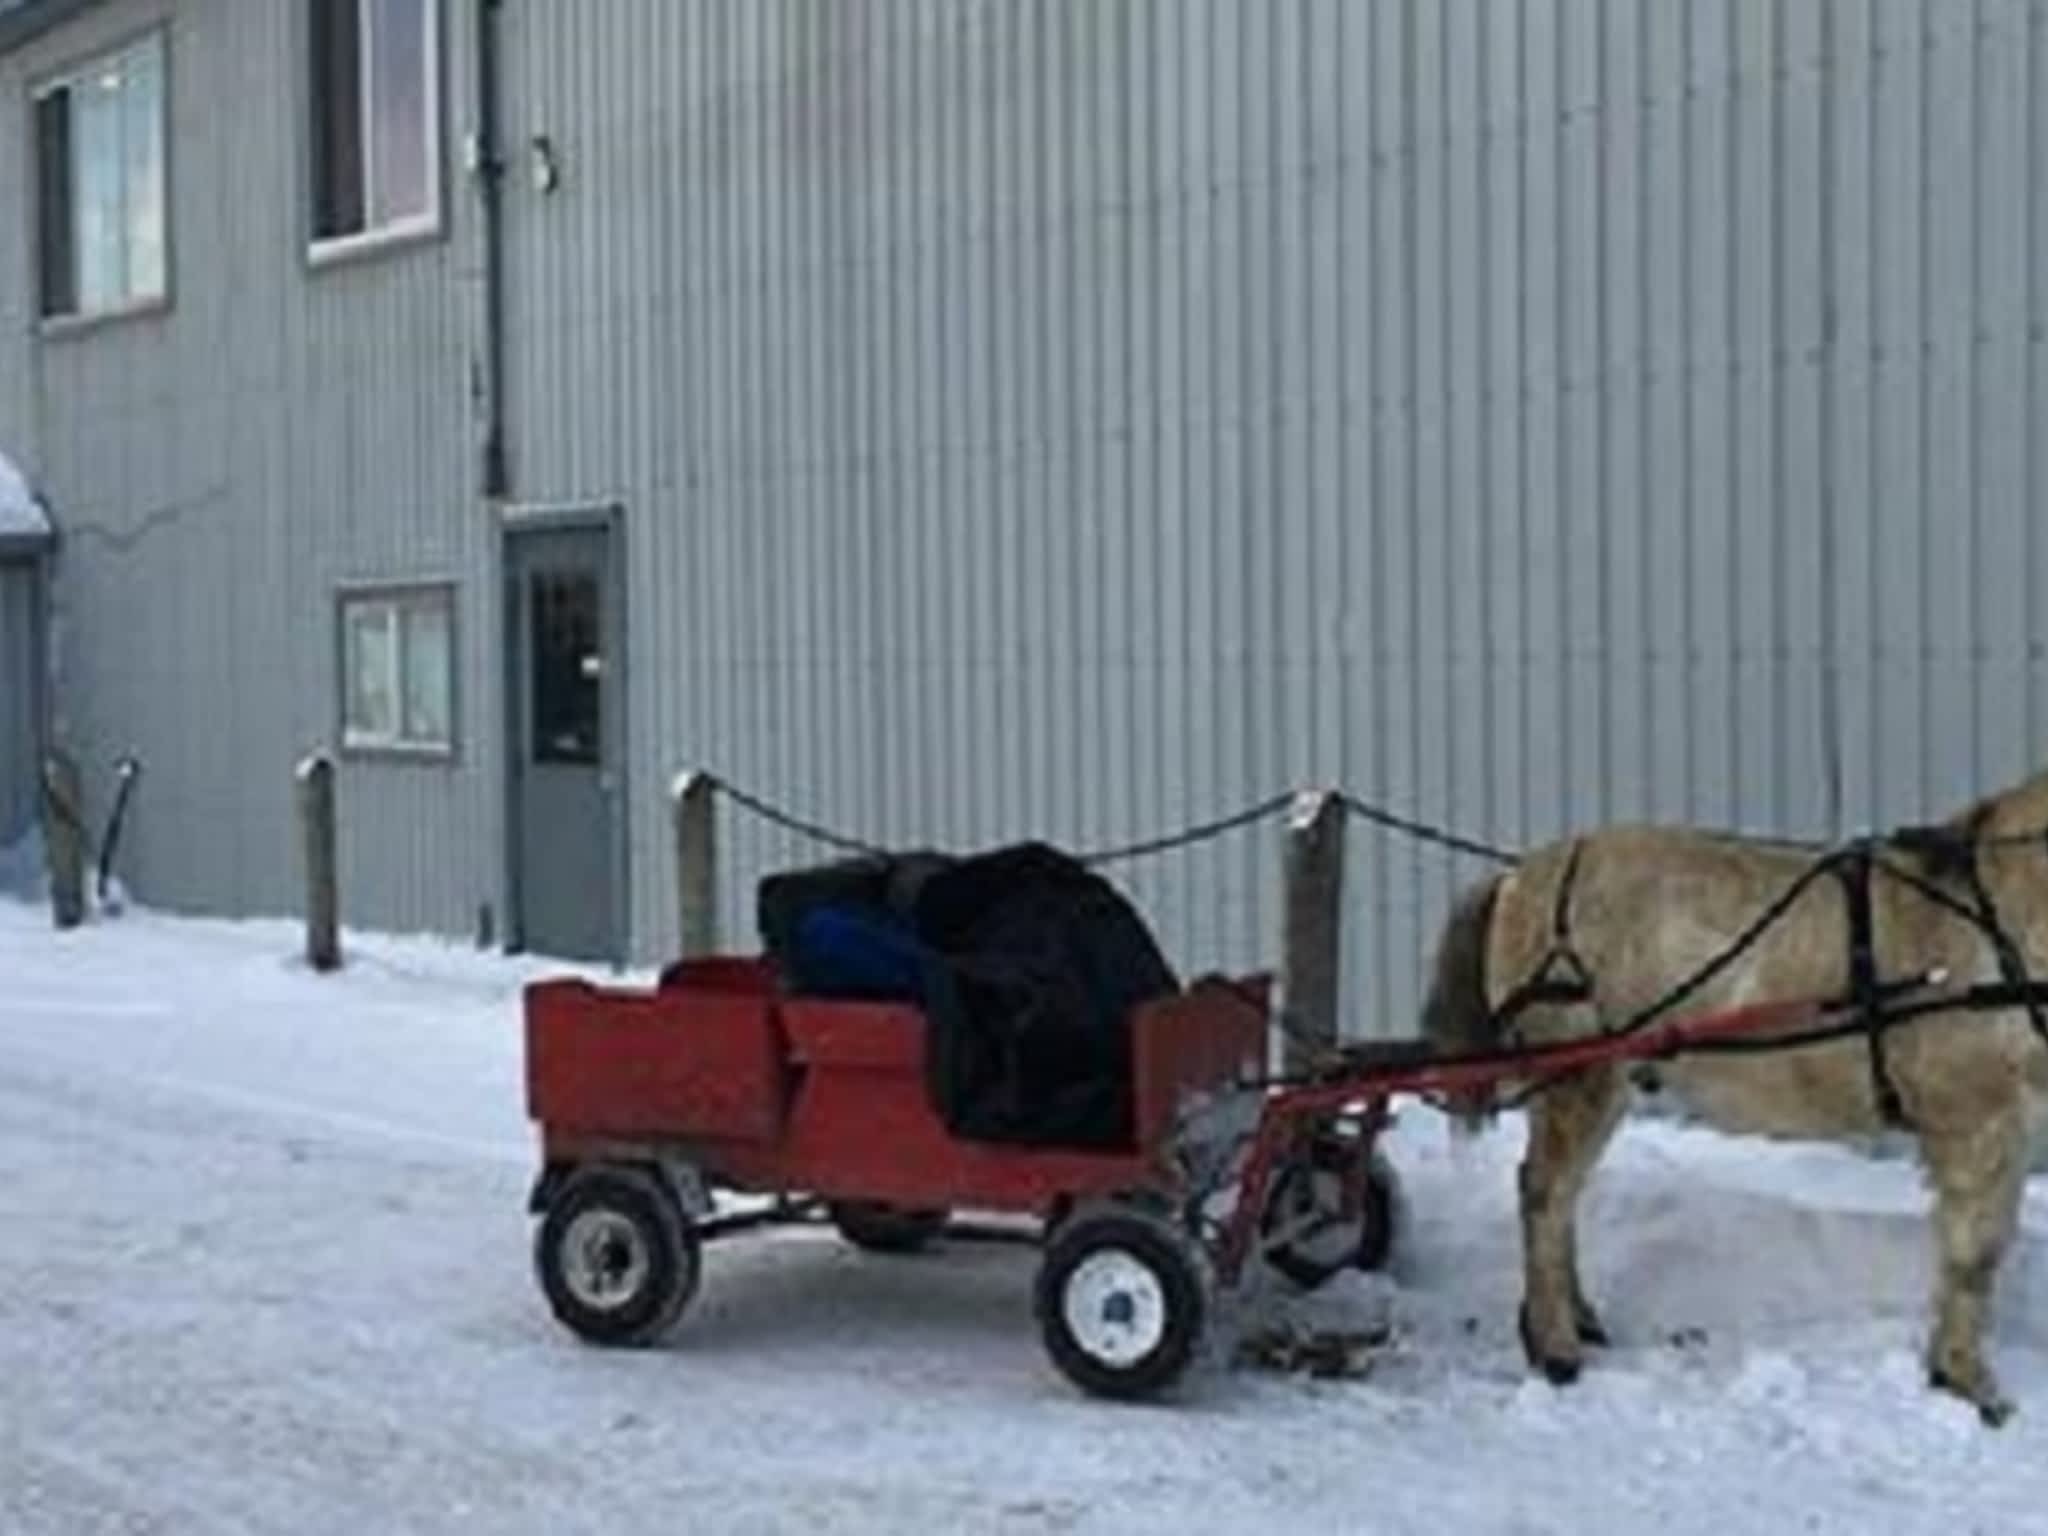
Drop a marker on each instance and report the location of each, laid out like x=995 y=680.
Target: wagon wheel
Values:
x=617 y=1258
x=1122 y=1300
x=883 y=1228
x=1309 y=1192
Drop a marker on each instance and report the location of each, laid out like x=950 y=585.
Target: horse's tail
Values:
x=1456 y=1017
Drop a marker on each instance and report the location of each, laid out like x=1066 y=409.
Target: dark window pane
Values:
x=59 y=270
x=334 y=34
x=566 y=663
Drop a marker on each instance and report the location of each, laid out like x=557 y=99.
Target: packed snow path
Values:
x=266 y=1269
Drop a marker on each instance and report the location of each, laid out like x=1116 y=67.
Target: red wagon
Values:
x=651 y=1101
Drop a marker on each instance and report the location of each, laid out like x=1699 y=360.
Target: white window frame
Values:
x=71 y=78
x=395 y=598
x=325 y=250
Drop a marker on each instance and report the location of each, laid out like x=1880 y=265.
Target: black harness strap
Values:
x=1958 y=856
x=1865 y=990
x=1562 y=978
x=2012 y=966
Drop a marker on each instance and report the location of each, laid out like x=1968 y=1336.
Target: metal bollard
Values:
x=316 y=825
x=64 y=838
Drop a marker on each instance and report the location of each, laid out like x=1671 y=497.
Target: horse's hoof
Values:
x=1592 y=1331
x=1558 y=1370
x=1995 y=1410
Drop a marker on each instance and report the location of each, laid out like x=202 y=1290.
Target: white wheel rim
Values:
x=1115 y=1307
x=605 y=1261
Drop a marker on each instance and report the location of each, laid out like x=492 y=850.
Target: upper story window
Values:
x=375 y=119
x=99 y=134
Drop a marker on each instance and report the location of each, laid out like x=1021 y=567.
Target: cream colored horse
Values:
x=1616 y=918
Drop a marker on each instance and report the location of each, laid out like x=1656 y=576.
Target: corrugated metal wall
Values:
x=1074 y=419
x=219 y=468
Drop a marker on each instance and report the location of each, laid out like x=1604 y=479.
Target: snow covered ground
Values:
x=264 y=1268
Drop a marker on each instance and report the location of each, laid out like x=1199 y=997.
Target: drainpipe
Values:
x=489 y=169
x=494 y=475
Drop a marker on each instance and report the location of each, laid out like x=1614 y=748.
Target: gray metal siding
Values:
x=220 y=469
x=1073 y=419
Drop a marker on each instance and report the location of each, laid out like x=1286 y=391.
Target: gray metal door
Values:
x=566 y=746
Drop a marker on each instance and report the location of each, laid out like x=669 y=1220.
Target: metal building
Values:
x=962 y=419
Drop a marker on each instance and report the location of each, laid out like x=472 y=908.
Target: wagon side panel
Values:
x=679 y=1063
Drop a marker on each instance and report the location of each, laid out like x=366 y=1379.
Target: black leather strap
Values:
x=1864 y=987
x=2012 y=966
x=1562 y=977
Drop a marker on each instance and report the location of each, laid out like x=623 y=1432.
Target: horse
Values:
x=1925 y=940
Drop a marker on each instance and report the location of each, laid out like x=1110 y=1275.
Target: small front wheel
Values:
x=616 y=1256
x=1122 y=1301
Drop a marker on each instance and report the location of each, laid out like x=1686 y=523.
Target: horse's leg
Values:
x=1978 y=1173
x=1585 y=1317
x=1569 y=1125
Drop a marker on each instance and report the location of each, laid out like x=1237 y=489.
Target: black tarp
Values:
x=1026 y=963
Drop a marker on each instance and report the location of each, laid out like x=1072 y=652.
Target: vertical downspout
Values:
x=492 y=468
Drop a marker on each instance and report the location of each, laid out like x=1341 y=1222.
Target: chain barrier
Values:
x=1268 y=809
x=1422 y=832
x=1271 y=808
x=774 y=815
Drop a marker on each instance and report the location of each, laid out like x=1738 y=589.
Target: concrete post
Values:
x=1311 y=965
x=693 y=801
x=316 y=827
x=64 y=837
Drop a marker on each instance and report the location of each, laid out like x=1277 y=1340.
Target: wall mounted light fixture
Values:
x=547 y=174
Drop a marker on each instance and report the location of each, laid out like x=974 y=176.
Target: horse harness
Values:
x=1865 y=991
x=1563 y=978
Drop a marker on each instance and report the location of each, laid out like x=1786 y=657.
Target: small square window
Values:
x=398 y=670
x=374 y=108
x=99 y=155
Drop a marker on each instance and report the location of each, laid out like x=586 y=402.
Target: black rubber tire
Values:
x=1376 y=1236
x=1175 y=1262
x=882 y=1228
x=657 y=1227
